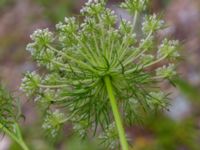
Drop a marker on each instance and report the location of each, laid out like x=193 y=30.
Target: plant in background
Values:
x=56 y=12
x=8 y=118
x=98 y=71
x=4 y=4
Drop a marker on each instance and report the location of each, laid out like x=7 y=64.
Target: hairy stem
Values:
x=116 y=114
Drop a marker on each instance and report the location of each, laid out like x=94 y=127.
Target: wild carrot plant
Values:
x=101 y=75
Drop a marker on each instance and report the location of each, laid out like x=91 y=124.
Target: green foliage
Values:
x=78 y=57
x=7 y=111
x=8 y=118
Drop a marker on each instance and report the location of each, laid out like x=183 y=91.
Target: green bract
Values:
x=85 y=59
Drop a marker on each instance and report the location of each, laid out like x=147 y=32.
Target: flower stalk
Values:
x=116 y=114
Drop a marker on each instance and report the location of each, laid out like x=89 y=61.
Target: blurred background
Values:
x=176 y=129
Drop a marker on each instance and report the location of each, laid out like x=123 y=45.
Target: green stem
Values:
x=135 y=19
x=23 y=144
x=155 y=62
x=116 y=114
x=19 y=139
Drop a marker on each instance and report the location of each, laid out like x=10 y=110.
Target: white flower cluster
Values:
x=30 y=83
x=42 y=36
x=108 y=16
x=168 y=49
x=66 y=30
x=134 y=5
x=166 y=71
x=69 y=25
x=152 y=24
x=53 y=122
x=93 y=7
